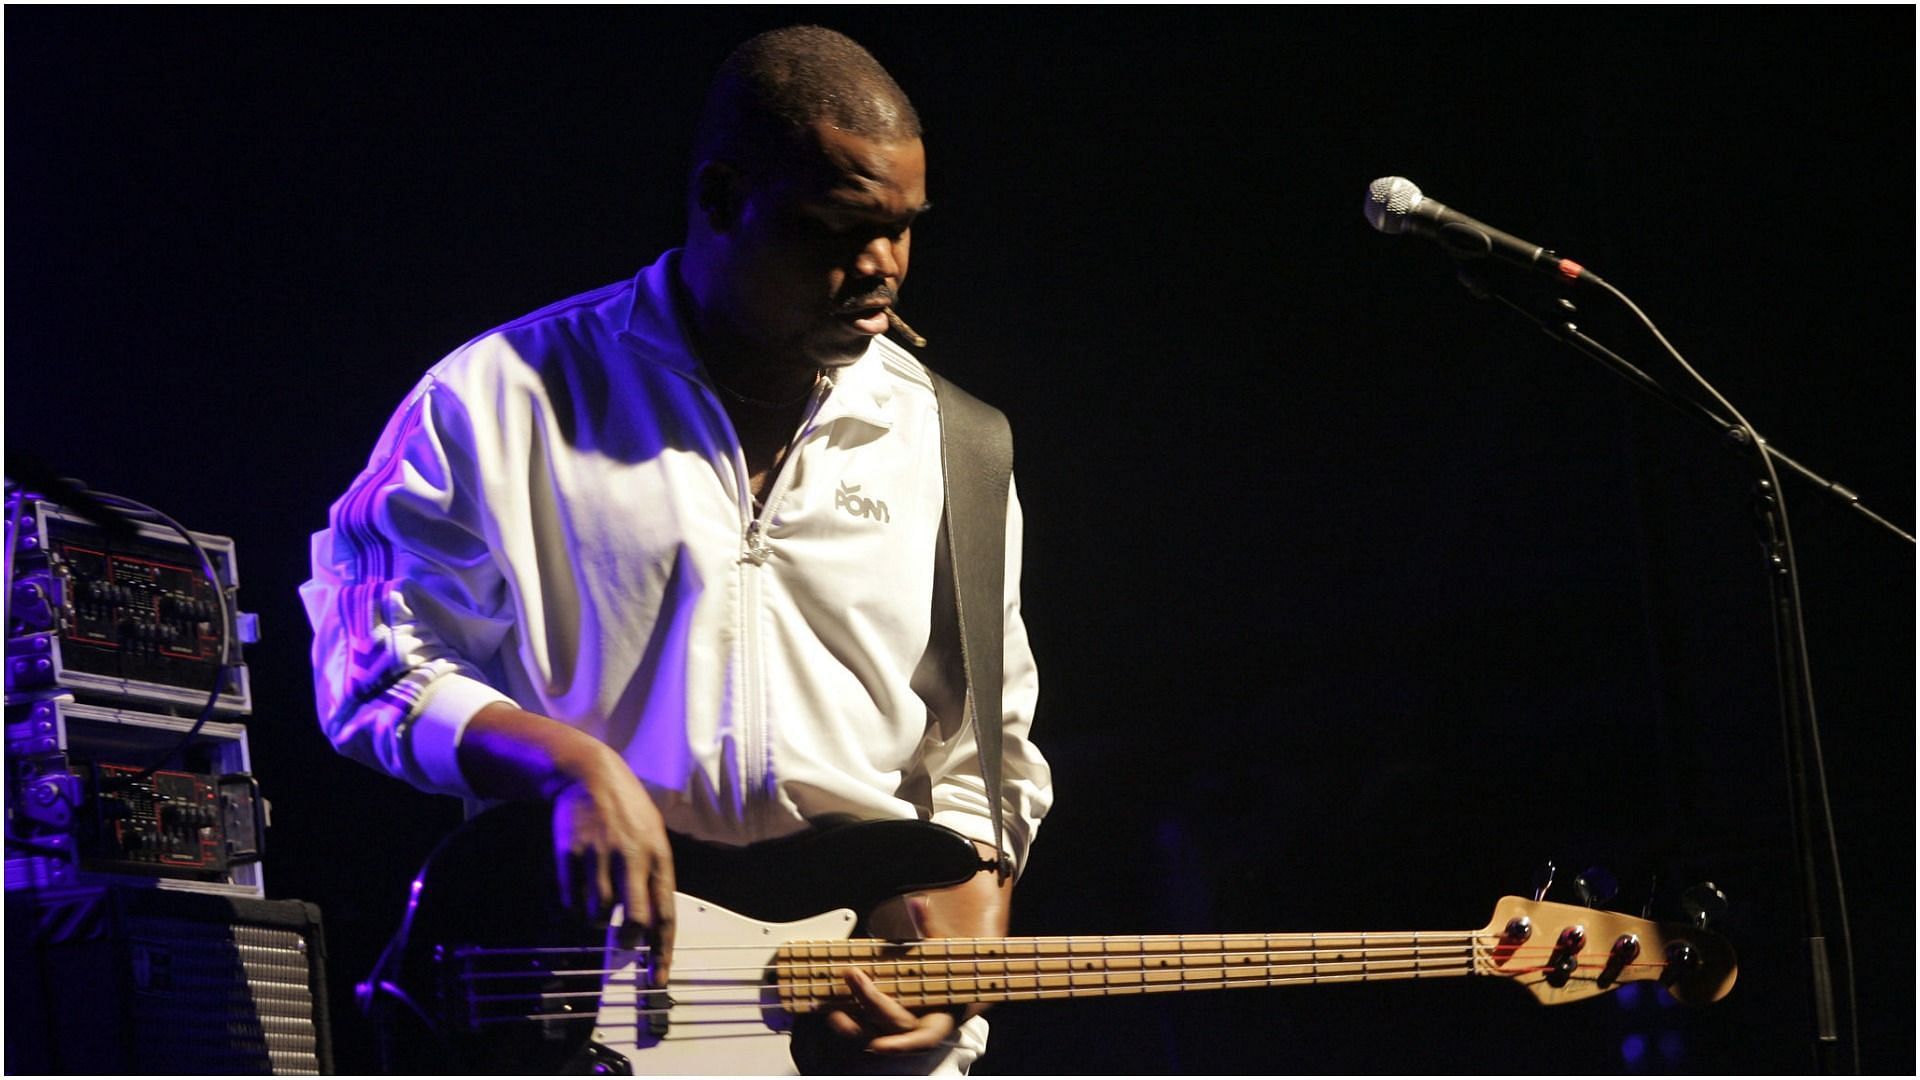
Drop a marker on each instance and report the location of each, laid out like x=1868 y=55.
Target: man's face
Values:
x=820 y=247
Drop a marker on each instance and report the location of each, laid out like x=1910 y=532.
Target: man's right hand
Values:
x=609 y=841
x=610 y=846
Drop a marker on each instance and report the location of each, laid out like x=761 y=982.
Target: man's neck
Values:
x=742 y=370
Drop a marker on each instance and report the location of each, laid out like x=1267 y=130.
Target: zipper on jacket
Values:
x=754 y=541
x=757 y=762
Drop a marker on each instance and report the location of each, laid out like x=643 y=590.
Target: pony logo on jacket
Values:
x=848 y=498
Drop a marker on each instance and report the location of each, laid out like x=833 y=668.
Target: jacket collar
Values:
x=653 y=321
x=861 y=391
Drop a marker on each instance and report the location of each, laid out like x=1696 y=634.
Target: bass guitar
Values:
x=488 y=974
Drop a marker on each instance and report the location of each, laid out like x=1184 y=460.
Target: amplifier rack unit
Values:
x=123 y=619
x=85 y=806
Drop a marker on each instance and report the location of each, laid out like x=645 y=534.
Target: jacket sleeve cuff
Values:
x=434 y=739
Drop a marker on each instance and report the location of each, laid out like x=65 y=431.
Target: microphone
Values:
x=1395 y=205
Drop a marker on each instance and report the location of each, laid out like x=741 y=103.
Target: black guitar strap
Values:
x=969 y=606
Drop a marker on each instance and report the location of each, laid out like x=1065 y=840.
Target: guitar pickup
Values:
x=654 y=1005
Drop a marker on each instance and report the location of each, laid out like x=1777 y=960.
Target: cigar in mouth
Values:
x=903 y=331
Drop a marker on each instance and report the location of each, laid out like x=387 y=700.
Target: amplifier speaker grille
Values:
x=125 y=980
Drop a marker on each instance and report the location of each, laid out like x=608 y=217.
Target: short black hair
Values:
x=778 y=84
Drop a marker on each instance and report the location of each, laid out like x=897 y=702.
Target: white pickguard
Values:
x=725 y=1017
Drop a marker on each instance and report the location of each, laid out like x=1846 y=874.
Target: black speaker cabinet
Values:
x=128 y=980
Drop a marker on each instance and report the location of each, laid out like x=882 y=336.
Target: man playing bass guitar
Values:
x=664 y=553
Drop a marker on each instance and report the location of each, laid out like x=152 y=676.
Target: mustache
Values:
x=878 y=297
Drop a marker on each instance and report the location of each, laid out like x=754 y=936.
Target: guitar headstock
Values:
x=1562 y=953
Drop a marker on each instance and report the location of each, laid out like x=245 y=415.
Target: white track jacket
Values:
x=558 y=516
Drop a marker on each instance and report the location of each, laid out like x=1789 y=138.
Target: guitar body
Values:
x=485 y=945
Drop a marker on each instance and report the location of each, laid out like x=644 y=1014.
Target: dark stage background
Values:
x=1355 y=599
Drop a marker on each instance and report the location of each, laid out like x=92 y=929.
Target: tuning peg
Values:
x=1596 y=886
x=1704 y=904
x=1543 y=880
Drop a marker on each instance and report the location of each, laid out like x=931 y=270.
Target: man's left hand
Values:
x=977 y=907
x=885 y=1025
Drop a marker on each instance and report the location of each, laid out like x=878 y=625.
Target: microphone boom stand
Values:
x=1799 y=731
x=1565 y=331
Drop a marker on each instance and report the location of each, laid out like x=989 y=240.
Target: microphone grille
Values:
x=1389 y=200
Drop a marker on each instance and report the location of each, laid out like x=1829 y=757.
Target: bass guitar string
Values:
x=1080 y=962
x=878 y=963
x=1191 y=941
x=1009 y=945
x=1332 y=954
x=643 y=1016
x=795 y=977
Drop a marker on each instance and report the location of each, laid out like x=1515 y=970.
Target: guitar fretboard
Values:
x=951 y=971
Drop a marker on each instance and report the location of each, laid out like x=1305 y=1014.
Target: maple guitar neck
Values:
x=953 y=971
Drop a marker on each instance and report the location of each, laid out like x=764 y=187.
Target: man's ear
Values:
x=719 y=191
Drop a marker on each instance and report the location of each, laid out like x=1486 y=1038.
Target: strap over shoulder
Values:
x=976 y=459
